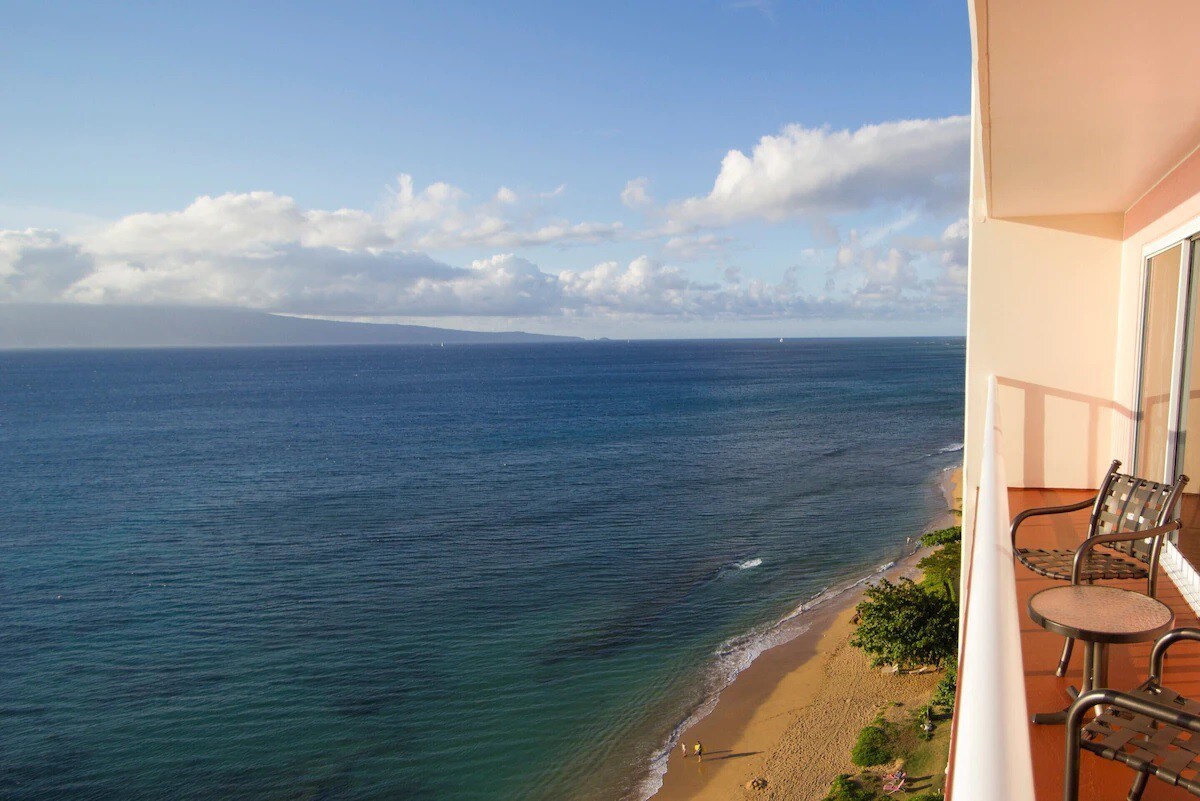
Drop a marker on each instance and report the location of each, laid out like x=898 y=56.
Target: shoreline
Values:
x=806 y=686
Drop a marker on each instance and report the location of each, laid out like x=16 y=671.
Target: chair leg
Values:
x=1065 y=661
x=1139 y=786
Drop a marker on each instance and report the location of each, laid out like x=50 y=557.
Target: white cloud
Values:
x=264 y=250
x=877 y=269
x=246 y=224
x=953 y=249
x=496 y=233
x=695 y=246
x=642 y=286
x=636 y=194
x=499 y=285
x=38 y=265
x=436 y=217
x=818 y=171
x=295 y=278
x=292 y=278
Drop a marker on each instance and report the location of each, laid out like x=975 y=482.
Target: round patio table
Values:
x=1098 y=616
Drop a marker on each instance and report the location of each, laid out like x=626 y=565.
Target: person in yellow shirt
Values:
x=698 y=749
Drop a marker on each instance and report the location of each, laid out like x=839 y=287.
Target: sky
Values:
x=622 y=169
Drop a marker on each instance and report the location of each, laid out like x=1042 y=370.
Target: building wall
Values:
x=1054 y=302
x=1043 y=301
x=1043 y=312
x=1053 y=311
x=1044 y=296
x=1167 y=211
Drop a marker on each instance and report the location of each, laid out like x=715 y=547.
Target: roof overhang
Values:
x=1084 y=105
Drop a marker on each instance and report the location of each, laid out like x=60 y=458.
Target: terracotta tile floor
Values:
x=1101 y=779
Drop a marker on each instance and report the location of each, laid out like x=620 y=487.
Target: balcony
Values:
x=1007 y=661
x=1101 y=779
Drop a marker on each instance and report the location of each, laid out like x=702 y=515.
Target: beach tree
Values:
x=940 y=569
x=943 y=536
x=904 y=625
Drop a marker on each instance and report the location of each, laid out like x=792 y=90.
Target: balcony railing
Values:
x=990 y=756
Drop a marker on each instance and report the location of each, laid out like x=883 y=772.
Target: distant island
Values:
x=53 y=325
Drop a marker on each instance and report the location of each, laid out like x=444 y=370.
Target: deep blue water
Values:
x=466 y=572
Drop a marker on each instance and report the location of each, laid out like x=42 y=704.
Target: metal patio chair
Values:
x=1153 y=730
x=1130 y=518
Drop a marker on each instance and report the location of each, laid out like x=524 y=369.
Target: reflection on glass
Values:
x=1188 y=453
x=1189 y=458
x=1158 y=343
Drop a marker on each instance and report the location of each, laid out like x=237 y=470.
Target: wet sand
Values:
x=793 y=715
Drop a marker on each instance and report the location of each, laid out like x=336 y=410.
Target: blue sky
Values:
x=252 y=156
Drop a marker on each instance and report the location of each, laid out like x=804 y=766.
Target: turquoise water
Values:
x=467 y=572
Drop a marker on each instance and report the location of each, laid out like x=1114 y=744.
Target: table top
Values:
x=1095 y=613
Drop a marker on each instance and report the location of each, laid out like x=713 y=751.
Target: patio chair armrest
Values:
x=1047 y=510
x=1163 y=643
x=1082 y=552
x=1140 y=706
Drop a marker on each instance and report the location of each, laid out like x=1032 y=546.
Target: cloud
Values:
x=636 y=194
x=694 y=246
x=643 y=286
x=436 y=217
x=263 y=250
x=890 y=288
x=285 y=275
x=500 y=285
x=266 y=251
x=878 y=269
x=497 y=234
x=294 y=279
x=953 y=252
x=820 y=172
x=247 y=224
x=39 y=265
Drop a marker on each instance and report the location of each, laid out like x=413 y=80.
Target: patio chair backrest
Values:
x=1127 y=503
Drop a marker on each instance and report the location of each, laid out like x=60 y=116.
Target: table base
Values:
x=1095 y=675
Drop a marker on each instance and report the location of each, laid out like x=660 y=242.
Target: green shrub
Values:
x=846 y=789
x=905 y=625
x=940 y=570
x=943 y=694
x=943 y=536
x=927 y=796
x=874 y=747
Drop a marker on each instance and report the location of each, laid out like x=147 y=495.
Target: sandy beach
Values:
x=792 y=717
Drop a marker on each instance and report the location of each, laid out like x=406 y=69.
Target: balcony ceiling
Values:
x=1085 y=104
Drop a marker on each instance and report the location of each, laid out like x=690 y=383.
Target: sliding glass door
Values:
x=1168 y=399
x=1155 y=442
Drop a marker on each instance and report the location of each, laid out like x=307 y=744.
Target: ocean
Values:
x=462 y=572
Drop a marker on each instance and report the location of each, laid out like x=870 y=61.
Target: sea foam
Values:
x=735 y=655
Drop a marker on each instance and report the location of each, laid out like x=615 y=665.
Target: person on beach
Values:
x=683 y=748
x=699 y=749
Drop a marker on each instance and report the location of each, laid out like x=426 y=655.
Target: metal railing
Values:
x=990 y=758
